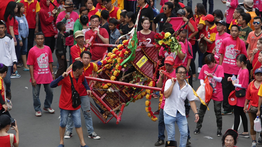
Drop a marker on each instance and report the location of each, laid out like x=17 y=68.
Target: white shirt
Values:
x=176 y=101
x=7 y=50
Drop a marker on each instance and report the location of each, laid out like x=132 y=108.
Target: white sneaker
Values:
x=254 y=144
x=50 y=110
x=199 y=69
x=38 y=114
x=68 y=135
x=94 y=136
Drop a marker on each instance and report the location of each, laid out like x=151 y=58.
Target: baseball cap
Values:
x=232 y=99
x=249 y=3
x=209 y=18
x=181 y=12
x=222 y=22
x=79 y=34
x=4 y=120
x=259 y=70
x=170 y=60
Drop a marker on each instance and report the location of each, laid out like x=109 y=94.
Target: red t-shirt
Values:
x=65 y=101
x=76 y=51
x=149 y=37
x=193 y=23
x=40 y=59
x=256 y=64
x=211 y=35
x=97 y=51
x=252 y=94
x=2 y=90
x=218 y=92
x=13 y=22
x=114 y=13
x=5 y=141
x=87 y=72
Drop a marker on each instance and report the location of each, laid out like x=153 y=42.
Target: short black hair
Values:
x=3 y=68
x=210 y=59
x=170 y=5
x=2 y=23
x=113 y=21
x=77 y=65
x=170 y=30
x=105 y=14
x=85 y=52
x=238 y=28
x=240 y=10
x=94 y=16
x=246 y=17
x=219 y=14
x=242 y=58
x=123 y=14
x=39 y=33
x=83 y=19
x=184 y=31
x=258 y=17
x=59 y=25
x=167 y=25
x=131 y=15
x=181 y=66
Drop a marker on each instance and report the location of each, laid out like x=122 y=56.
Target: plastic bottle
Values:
x=257 y=124
x=233 y=78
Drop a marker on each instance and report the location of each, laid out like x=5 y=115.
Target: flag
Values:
x=132 y=45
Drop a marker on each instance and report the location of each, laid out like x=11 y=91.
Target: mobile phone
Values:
x=12 y=122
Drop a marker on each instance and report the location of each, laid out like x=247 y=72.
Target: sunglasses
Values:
x=164 y=8
x=256 y=23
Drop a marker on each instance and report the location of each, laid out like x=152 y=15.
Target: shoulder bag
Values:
x=76 y=101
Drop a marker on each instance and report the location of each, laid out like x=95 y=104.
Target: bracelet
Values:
x=196 y=113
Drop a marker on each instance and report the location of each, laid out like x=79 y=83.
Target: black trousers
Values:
x=238 y=111
x=62 y=65
x=30 y=39
x=227 y=88
x=50 y=41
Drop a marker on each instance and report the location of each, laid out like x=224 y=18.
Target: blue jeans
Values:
x=211 y=5
x=161 y=125
x=76 y=115
x=48 y=98
x=182 y=126
x=7 y=80
x=85 y=106
x=18 y=49
x=24 y=47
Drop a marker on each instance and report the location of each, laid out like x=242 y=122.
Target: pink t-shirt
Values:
x=218 y=93
x=40 y=59
x=258 y=5
x=178 y=61
x=230 y=54
x=188 y=55
x=218 y=43
x=173 y=74
x=69 y=25
x=230 y=10
x=243 y=79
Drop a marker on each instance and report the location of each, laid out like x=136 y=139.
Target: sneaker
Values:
x=226 y=112
x=68 y=135
x=254 y=144
x=159 y=142
x=188 y=142
x=199 y=69
x=50 y=110
x=244 y=135
x=197 y=131
x=219 y=133
x=94 y=136
x=15 y=75
x=38 y=114
x=259 y=141
x=156 y=112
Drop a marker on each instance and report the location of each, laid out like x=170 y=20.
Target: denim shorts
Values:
x=75 y=114
x=85 y=103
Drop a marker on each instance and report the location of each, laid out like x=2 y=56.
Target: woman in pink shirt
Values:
x=214 y=73
x=241 y=84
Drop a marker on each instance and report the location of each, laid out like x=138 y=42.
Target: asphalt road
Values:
x=135 y=130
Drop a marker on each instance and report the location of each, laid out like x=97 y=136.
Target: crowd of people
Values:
x=229 y=57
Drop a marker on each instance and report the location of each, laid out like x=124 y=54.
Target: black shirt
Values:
x=106 y=26
x=147 y=11
x=161 y=19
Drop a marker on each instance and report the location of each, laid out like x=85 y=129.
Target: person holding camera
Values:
x=6 y=139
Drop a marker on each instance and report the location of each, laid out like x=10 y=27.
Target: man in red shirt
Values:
x=114 y=12
x=65 y=101
x=100 y=37
x=77 y=49
x=210 y=35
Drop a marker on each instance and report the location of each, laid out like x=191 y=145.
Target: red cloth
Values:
x=75 y=52
x=47 y=21
x=99 y=6
x=2 y=90
x=193 y=23
x=97 y=51
x=149 y=37
x=113 y=13
x=252 y=94
x=5 y=141
x=30 y=13
x=256 y=64
x=243 y=78
x=92 y=12
x=87 y=72
x=13 y=22
x=3 y=5
x=65 y=101
x=211 y=32
x=176 y=22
